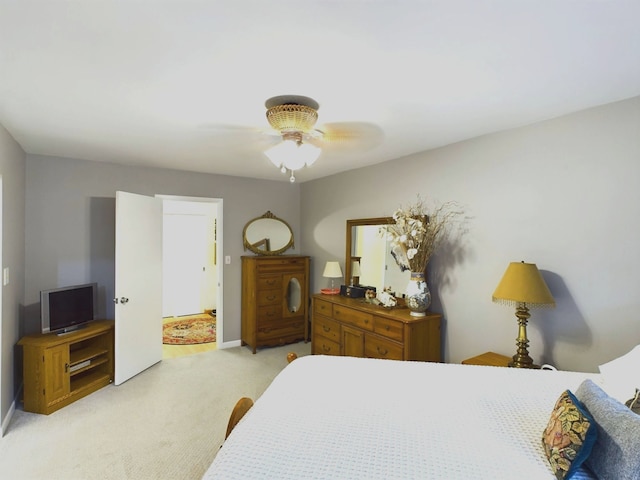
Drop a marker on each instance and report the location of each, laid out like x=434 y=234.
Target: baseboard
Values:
x=7 y=419
x=235 y=343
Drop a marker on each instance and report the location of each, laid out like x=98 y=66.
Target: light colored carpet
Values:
x=166 y=423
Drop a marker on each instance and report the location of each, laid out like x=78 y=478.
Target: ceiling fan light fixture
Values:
x=293 y=155
x=292 y=117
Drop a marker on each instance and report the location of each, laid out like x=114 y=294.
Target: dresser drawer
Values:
x=324 y=346
x=326 y=327
x=353 y=317
x=378 y=347
x=269 y=297
x=322 y=307
x=283 y=265
x=388 y=328
x=280 y=330
x=268 y=314
x=269 y=282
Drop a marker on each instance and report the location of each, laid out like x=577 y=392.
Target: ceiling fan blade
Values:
x=345 y=136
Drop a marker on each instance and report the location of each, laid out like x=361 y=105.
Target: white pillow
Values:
x=622 y=375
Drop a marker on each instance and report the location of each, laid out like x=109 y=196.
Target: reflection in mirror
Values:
x=369 y=255
x=267 y=235
x=294 y=295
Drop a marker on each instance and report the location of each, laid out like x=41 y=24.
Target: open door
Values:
x=138 y=288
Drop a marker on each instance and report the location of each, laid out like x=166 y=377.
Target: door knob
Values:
x=124 y=300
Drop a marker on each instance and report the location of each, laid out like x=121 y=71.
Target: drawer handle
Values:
x=326 y=329
x=387 y=328
x=271 y=297
x=381 y=352
x=270 y=314
x=271 y=282
x=325 y=348
x=366 y=320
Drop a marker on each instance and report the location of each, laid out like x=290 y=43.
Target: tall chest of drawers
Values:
x=275 y=299
x=350 y=327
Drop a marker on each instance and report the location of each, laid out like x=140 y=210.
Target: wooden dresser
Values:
x=275 y=300
x=348 y=326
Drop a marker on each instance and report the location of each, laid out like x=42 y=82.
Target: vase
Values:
x=417 y=295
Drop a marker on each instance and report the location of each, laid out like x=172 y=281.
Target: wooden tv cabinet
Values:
x=60 y=369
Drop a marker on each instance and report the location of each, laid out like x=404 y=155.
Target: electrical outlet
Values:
x=227 y=260
x=5 y=276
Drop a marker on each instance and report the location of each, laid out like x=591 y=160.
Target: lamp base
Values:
x=330 y=291
x=518 y=364
x=522 y=359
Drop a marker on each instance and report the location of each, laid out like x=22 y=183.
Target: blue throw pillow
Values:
x=616 y=454
x=569 y=436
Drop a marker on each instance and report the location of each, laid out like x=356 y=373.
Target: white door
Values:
x=138 y=289
x=184 y=247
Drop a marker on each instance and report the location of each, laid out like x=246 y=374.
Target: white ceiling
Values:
x=182 y=83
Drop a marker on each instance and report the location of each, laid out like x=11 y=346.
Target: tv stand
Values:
x=71 y=330
x=60 y=369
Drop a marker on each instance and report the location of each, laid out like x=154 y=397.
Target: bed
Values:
x=326 y=417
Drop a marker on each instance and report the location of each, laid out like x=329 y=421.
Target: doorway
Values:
x=1 y=316
x=192 y=272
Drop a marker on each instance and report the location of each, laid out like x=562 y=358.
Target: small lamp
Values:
x=332 y=270
x=355 y=272
x=522 y=286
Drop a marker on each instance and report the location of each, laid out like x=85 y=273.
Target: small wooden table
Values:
x=491 y=359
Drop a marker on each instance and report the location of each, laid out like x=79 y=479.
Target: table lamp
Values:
x=355 y=272
x=522 y=286
x=331 y=270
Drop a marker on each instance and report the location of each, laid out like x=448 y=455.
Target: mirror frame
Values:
x=357 y=222
x=253 y=247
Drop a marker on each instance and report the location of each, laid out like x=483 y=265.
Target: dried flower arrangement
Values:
x=417 y=232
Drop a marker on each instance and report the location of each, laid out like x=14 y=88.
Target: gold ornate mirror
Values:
x=369 y=252
x=267 y=235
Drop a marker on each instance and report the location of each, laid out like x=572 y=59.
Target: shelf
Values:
x=94 y=364
x=87 y=353
x=89 y=382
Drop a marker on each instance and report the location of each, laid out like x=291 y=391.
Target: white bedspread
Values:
x=351 y=418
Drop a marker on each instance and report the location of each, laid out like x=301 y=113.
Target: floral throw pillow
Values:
x=569 y=436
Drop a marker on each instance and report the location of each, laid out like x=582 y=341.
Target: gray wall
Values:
x=12 y=170
x=563 y=194
x=70 y=223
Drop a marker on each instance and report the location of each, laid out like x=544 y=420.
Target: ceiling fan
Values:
x=294 y=118
x=294 y=141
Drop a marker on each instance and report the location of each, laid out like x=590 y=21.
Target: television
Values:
x=66 y=309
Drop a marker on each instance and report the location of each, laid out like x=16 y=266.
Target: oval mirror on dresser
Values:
x=267 y=235
x=294 y=295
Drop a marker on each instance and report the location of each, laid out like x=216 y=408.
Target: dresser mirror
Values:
x=267 y=235
x=294 y=295
x=368 y=259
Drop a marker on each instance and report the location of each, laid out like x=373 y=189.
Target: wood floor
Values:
x=173 y=351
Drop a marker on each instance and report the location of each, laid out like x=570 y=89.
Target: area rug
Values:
x=190 y=331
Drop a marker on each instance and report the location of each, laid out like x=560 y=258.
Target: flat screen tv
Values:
x=68 y=308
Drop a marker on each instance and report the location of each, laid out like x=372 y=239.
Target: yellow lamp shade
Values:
x=523 y=283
